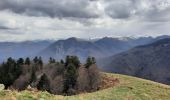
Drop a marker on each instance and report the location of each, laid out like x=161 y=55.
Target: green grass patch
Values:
x=129 y=88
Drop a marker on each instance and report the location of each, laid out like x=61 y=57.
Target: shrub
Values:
x=94 y=77
x=83 y=79
x=22 y=82
x=57 y=85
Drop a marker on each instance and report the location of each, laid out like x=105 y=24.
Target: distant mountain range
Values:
x=99 y=48
x=21 y=49
x=151 y=61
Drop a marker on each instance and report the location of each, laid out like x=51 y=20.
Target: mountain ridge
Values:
x=100 y=48
x=149 y=61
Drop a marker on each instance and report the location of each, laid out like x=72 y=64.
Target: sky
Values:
x=22 y=20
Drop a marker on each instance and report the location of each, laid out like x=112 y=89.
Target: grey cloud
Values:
x=6 y=28
x=120 y=9
x=81 y=10
x=146 y=10
x=3 y=28
x=52 y=8
x=95 y=17
x=157 y=15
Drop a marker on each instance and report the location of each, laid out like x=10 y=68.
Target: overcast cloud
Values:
x=22 y=20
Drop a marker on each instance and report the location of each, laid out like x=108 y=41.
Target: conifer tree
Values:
x=61 y=61
x=70 y=77
x=44 y=83
x=40 y=62
x=27 y=61
x=10 y=71
x=33 y=75
x=20 y=61
x=52 y=60
x=35 y=60
x=90 y=61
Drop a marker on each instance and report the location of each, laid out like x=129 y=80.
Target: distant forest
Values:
x=65 y=77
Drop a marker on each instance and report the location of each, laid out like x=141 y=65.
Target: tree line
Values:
x=65 y=77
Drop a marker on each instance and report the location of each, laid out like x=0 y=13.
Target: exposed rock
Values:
x=2 y=87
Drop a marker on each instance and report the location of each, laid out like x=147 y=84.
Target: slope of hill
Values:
x=129 y=88
x=148 y=61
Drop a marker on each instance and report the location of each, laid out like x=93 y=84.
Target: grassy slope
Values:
x=130 y=88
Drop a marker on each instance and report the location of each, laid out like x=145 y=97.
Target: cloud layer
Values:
x=51 y=19
x=52 y=8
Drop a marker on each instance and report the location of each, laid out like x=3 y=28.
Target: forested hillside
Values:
x=65 y=77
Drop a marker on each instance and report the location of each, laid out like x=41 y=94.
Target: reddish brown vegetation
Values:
x=108 y=81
